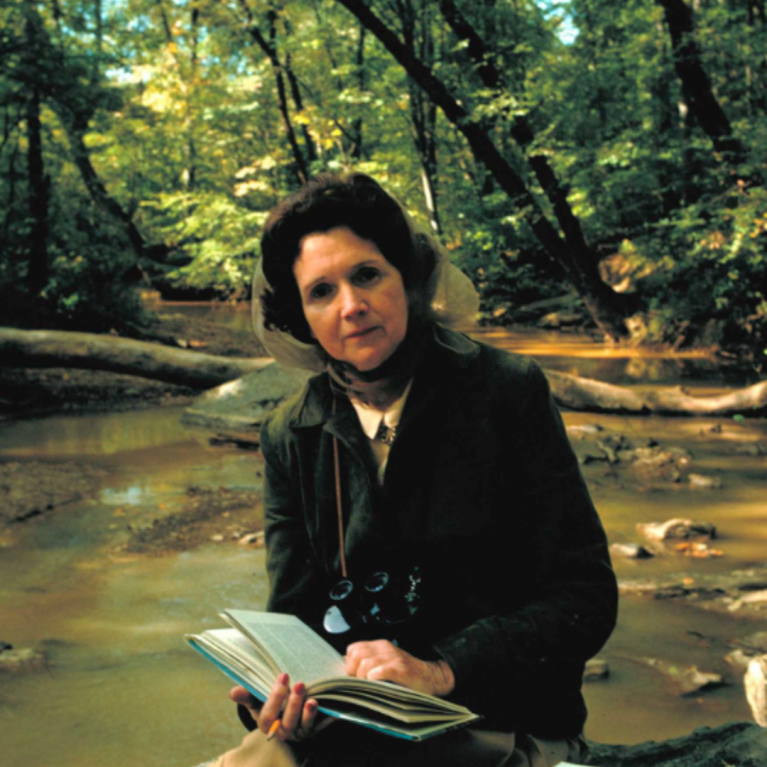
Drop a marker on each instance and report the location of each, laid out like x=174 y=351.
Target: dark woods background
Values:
x=611 y=151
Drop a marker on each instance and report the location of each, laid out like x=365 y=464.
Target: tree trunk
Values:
x=298 y=102
x=191 y=146
x=696 y=85
x=75 y=130
x=51 y=348
x=356 y=130
x=89 y=351
x=606 y=307
x=423 y=112
x=37 y=276
x=37 y=273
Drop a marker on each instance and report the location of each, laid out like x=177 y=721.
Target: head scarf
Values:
x=455 y=303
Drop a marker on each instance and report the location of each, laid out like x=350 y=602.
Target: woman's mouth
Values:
x=361 y=333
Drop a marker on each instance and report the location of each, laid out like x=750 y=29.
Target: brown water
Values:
x=122 y=686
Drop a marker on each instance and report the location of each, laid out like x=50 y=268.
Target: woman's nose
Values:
x=353 y=303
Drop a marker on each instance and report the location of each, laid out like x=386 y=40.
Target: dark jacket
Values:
x=484 y=494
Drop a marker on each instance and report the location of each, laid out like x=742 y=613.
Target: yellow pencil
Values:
x=273 y=729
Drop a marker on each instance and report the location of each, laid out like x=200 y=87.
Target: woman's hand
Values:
x=298 y=716
x=386 y=662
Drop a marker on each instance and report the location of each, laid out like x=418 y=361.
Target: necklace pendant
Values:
x=386 y=434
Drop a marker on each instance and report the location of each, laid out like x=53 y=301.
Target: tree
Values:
x=607 y=308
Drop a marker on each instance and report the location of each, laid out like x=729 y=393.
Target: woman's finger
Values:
x=308 y=716
x=366 y=665
x=356 y=653
x=291 y=715
x=272 y=708
x=243 y=697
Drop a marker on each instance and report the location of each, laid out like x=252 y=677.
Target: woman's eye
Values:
x=320 y=291
x=366 y=274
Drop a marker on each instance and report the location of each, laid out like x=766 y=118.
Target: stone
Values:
x=561 y=319
x=755 y=684
x=657 y=463
x=237 y=408
x=596 y=670
x=753 y=644
x=741 y=744
x=697 y=549
x=690 y=680
x=20 y=661
x=630 y=551
x=752 y=598
x=585 y=428
x=251 y=539
x=677 y=529
x=702 y=482
x=738 y=659
x=723 y=592
x=754 y=449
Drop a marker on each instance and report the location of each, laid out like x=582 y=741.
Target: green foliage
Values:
x=219 y=236
x=89 y=286
x=704 y=271
x=180 y=111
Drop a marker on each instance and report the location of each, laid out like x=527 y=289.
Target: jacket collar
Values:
x=446 y=351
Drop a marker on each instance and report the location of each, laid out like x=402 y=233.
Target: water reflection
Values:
x=102 y=435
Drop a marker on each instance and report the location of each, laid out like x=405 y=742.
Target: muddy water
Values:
x=122 y=687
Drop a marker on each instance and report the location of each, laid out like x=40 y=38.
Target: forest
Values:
x=610 y=153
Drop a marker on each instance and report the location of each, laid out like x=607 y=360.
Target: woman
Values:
x=437 y=461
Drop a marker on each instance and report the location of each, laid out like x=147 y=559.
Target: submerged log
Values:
x=90 y=351
x=52 y=348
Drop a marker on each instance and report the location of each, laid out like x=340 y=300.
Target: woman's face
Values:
x=353 y=299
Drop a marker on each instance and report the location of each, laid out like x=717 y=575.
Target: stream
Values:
x=122 y=686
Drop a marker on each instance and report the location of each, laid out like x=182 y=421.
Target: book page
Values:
x=294 y=647
x=231 y=644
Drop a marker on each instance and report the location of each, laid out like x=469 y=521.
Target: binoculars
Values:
x=371 y=609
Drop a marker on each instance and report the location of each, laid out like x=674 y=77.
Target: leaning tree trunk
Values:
x=696 y=85
x=51 y=348
x=75 y=127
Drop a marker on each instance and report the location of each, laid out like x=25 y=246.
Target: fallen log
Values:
x=90 y=351
x=594 y=396
x=52 y=348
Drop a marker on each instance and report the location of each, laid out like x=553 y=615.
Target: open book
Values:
x=260 y=646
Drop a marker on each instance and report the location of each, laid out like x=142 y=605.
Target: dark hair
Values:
x=328 y=201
